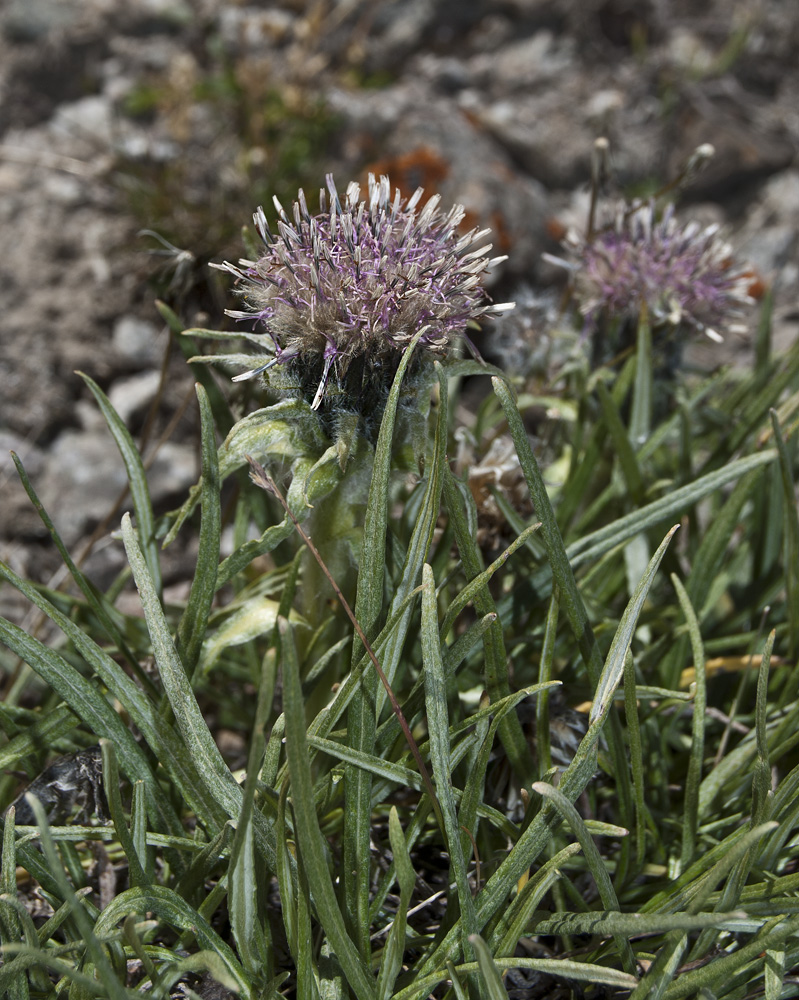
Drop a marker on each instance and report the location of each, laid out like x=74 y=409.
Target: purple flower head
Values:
x=343 y=292
x=684 y=275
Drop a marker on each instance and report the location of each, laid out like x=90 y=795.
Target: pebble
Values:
x=137 y=340
x=130 y=396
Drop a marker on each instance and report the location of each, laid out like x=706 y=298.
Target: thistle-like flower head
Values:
x=341 y=293
x=684 y=275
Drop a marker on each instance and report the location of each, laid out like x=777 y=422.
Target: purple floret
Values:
x=685 y=276
x=358 y=280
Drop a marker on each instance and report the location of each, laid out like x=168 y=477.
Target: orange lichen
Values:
x=421 y=167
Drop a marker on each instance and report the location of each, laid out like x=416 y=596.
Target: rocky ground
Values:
x=179 y=116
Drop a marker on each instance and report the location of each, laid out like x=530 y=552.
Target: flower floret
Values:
x=356 y=282
x=684 y=275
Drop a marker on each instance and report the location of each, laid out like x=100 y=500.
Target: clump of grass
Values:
x=656 y=667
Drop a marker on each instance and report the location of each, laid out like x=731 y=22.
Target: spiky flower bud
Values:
x=684 y=275
x=341 y=293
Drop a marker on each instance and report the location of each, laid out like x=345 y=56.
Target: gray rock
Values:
x=33 y=20
x=175 y=469
x=32 y=458
x=524 y=63
x=137 y=340
x=130 y=396
x=251 y=29
x=85 y=476
x=435 y=143
x=89 y=117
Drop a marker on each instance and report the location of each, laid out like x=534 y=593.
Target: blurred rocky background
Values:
x=137 y=137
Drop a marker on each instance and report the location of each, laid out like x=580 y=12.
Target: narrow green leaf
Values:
x=89 y=933
x=756 y=405
x=543 y=746
x=394 y=948
x=160 y=736
x=636 y=759
x=10 y=923
x=558 y=558
x=774 y=973
x=29 y=959
x=718 y=972
x=655 y=983
x=420 y=541
x=286 y=874
x=95 y=600
x=489 y=973
x=82 y=696
x=245 y=879
x=49 y=727
x=496 y=661
x=138 y=829
x=193 y=728
x=8 y=862
x=580 y=771
x=369 y=699
x=707 y=560
x=693 y=778
x=791 y=538
x=596 y=543
x=562 y=968
x=609 y=923
x=176 y=912
x=457 y=985
x=364 y=706
x=761 y=789
x=573 y=781
x=622 y=447
x=194 y=620
x=513 y=924
x=763 y=338
x=111 y=784
x=137 y=478
x=311 y=842
x=594 y=859
x=438 y=730
x=369 y=599
x=306 y=966
x=641 y=414
x=206 y=861
x=472 y=589
x=239 y=559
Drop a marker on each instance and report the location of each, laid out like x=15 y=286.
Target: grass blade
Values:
x=137 y=478
x=192 y=726
x=364 y=707
x=496 y=660
x=438 y=730
x=193 y=622
x=89 y=932
x=574 y=779
x=394 y=949
x=309 y=837
x=176 y=912
x=693 y=778
x=594 y=859
x=489 y=973
x=111 y=784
